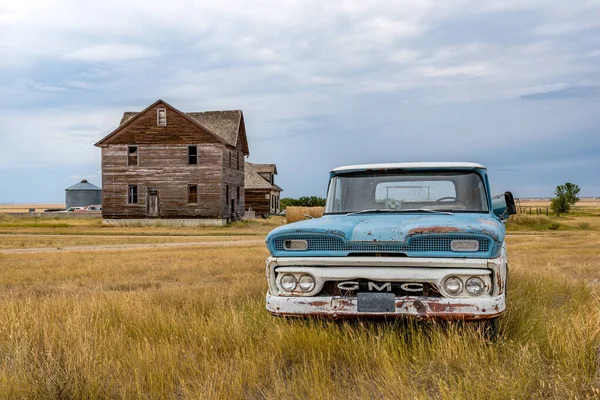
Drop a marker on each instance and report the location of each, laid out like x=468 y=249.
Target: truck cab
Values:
x=421 y=240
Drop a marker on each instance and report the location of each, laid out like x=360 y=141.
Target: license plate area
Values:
x=376 y=302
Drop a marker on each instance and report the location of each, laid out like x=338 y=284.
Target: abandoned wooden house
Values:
x=164 y=163
x=262 y=194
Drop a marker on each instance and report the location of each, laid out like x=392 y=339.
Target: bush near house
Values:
x=304 y=201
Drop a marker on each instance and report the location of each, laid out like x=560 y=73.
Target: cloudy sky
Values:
x=512 y=84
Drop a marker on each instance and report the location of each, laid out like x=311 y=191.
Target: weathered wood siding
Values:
x=260 y=201
x=164 y=167
x=144 y=129
x=233 y=177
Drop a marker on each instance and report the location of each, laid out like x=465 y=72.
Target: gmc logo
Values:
x=380 y=286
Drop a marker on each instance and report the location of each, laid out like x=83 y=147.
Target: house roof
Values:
x=83 y=185
x=252 y=180
x=272 y=168
x=412 y=165
x=224 y=125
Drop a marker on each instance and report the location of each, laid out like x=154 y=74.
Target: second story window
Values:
x=132 y=155
x=192 y=194
x=192 y=155
x=238 y=193
x=229 y=159
x=132 y=194
x=161 y=117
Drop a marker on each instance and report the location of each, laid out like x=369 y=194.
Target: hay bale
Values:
x=295 y=214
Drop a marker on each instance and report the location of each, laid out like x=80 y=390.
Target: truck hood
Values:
x=363 y=228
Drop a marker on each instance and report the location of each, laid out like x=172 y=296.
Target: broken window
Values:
x=192 y=194
x=192 y=155
x=132 y=155
x=132 y=194
x=227 y=192
x=161 y=117
x=238 y=193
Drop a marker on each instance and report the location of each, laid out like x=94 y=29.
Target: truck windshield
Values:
x=407 y=191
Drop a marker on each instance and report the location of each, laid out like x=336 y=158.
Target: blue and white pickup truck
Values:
x=406 y=239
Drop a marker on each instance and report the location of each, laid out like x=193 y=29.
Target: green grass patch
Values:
x=532 y=223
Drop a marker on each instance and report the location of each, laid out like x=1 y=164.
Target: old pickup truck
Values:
x=407 y=239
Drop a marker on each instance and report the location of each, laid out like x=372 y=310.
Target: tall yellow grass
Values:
x=294 y=214
x=190 y=323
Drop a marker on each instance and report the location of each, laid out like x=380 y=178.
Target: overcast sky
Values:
x=514 y=85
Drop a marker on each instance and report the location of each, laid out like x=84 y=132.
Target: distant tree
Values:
x=566 y=196
x=304 y=201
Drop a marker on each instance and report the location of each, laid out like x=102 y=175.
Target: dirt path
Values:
x=134 y=246
x=117 y=235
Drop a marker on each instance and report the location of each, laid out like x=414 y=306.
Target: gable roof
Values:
x=252 y=180
x=227 y=126
x=272 y=168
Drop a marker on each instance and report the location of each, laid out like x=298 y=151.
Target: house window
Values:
x=161 y=117
x=132 y=194
x=230 y=160
x=238 y=193
x=240 y=159
x=192 y=155
x=132 y=155
x=227 y=192
x=192 y=194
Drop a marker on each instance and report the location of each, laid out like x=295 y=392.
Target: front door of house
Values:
x=152 y=209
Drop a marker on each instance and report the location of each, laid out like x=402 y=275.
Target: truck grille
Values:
x=419 y=244
x=330 y=288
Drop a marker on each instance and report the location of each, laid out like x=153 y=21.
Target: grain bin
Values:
x=83 y=194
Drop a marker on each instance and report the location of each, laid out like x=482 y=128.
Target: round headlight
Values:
x=453 y=285
x=288 y=282
x=306 y=283
x=475 y=286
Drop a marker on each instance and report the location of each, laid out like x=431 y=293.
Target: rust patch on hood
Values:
x=434 y=229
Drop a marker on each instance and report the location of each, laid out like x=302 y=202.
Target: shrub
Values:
x=304 y=201
x=566 y=196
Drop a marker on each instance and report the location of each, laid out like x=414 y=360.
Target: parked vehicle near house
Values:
x=94 y=208
x=74 y=209
x=424 y=240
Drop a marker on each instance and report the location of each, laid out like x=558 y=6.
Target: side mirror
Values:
x=503 y=205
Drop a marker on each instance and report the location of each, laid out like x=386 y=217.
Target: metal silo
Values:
x=83 y=194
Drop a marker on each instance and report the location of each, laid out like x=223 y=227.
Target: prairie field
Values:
x=18 y=208
x=186 y=320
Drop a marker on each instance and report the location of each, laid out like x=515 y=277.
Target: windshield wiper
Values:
x=426 y=210
x=406 y=210
x=373 y=210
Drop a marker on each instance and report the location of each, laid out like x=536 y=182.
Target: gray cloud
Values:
x=572 y=92
x=321 y=83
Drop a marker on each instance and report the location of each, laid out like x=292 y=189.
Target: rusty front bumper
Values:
x=408 y=306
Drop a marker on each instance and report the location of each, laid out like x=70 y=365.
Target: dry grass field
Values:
x=189 y=322
x=18 y=208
